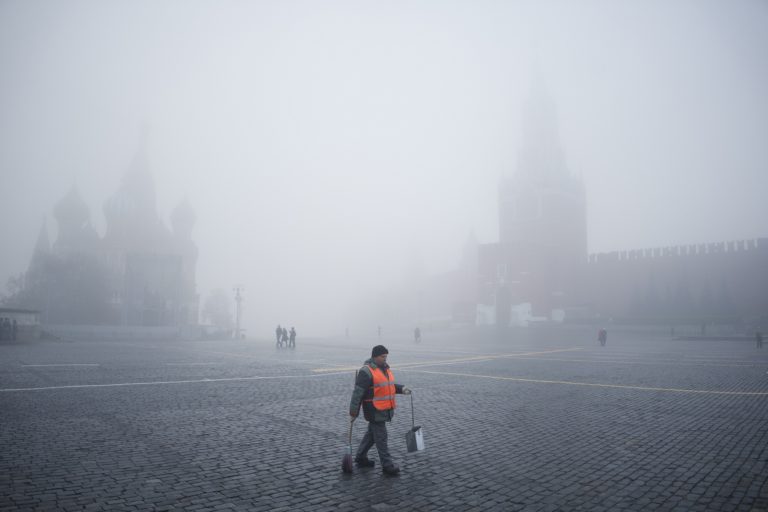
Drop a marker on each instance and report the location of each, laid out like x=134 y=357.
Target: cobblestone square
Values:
x=541 y=419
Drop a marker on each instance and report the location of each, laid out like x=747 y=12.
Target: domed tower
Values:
x=542 y=215
x=149 y=265
x=131 y=212
x=43 y=244
x=73 y=218
x=182 y=222
x=35 y=276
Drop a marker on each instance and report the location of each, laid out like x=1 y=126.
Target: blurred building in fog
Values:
x=540 y=269
x=139 y=273
x=725 y=282
x=533 y=271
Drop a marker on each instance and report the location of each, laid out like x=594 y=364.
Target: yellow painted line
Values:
x=485 y=358
x=474 y=359
x=591 y=384
x=619 y=361
x=338 y=368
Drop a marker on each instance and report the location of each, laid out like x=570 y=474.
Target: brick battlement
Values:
x=694 y=250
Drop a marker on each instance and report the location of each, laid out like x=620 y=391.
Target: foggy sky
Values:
x=329 y=146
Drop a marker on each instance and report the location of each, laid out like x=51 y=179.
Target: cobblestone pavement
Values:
x=531 y=420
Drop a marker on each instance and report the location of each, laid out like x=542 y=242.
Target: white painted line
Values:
x=591 y=384
x=159 y=383
x=229 y=354
x=191 y=364
x=60 y=364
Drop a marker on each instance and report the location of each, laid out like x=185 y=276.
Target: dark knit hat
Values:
x=379 y=350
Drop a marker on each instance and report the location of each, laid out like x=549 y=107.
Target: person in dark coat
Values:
x=375 y=390
x=292 y=338
x=5 y=332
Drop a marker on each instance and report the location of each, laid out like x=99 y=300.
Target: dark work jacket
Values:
x=364 y=391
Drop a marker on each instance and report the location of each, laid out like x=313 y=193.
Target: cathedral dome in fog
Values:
x=71 y=210
x=183 y=218
x=137 y=274
x=131 y=212
x=74 y=223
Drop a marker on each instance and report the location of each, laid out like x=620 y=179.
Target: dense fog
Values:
x=331 y=150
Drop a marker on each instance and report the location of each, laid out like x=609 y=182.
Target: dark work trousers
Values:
x=376 y=434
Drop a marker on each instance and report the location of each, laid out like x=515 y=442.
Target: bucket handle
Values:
x=413 y=421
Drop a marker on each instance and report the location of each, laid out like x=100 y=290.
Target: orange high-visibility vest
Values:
x=383 y=389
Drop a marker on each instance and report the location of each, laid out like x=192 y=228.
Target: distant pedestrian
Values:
x=292 y=342
x=284 y=337
x=14 y=330
x=417 y=335
x=279 y=335
x=379 y=329
x=602 y=336
x=759 y=339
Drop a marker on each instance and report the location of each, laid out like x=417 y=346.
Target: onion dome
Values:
x=71 y=212
x=131 y=212
x=183 y=218
x=74 y=219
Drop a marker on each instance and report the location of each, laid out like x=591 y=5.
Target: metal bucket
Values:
x=414 y=438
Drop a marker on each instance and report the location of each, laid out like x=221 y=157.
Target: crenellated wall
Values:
x=681 y=250
x=716 y=280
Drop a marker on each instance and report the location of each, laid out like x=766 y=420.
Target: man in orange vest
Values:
x=375 y=389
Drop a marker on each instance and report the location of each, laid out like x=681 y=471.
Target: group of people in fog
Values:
x=285 y=338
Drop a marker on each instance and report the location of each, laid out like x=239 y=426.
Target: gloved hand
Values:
x=406 y=391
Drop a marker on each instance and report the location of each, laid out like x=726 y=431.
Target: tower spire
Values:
x=43 y=243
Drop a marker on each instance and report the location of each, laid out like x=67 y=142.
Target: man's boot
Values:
x=392 y=470
x=364 y=462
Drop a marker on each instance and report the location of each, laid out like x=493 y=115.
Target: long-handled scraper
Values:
x=346 y=462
